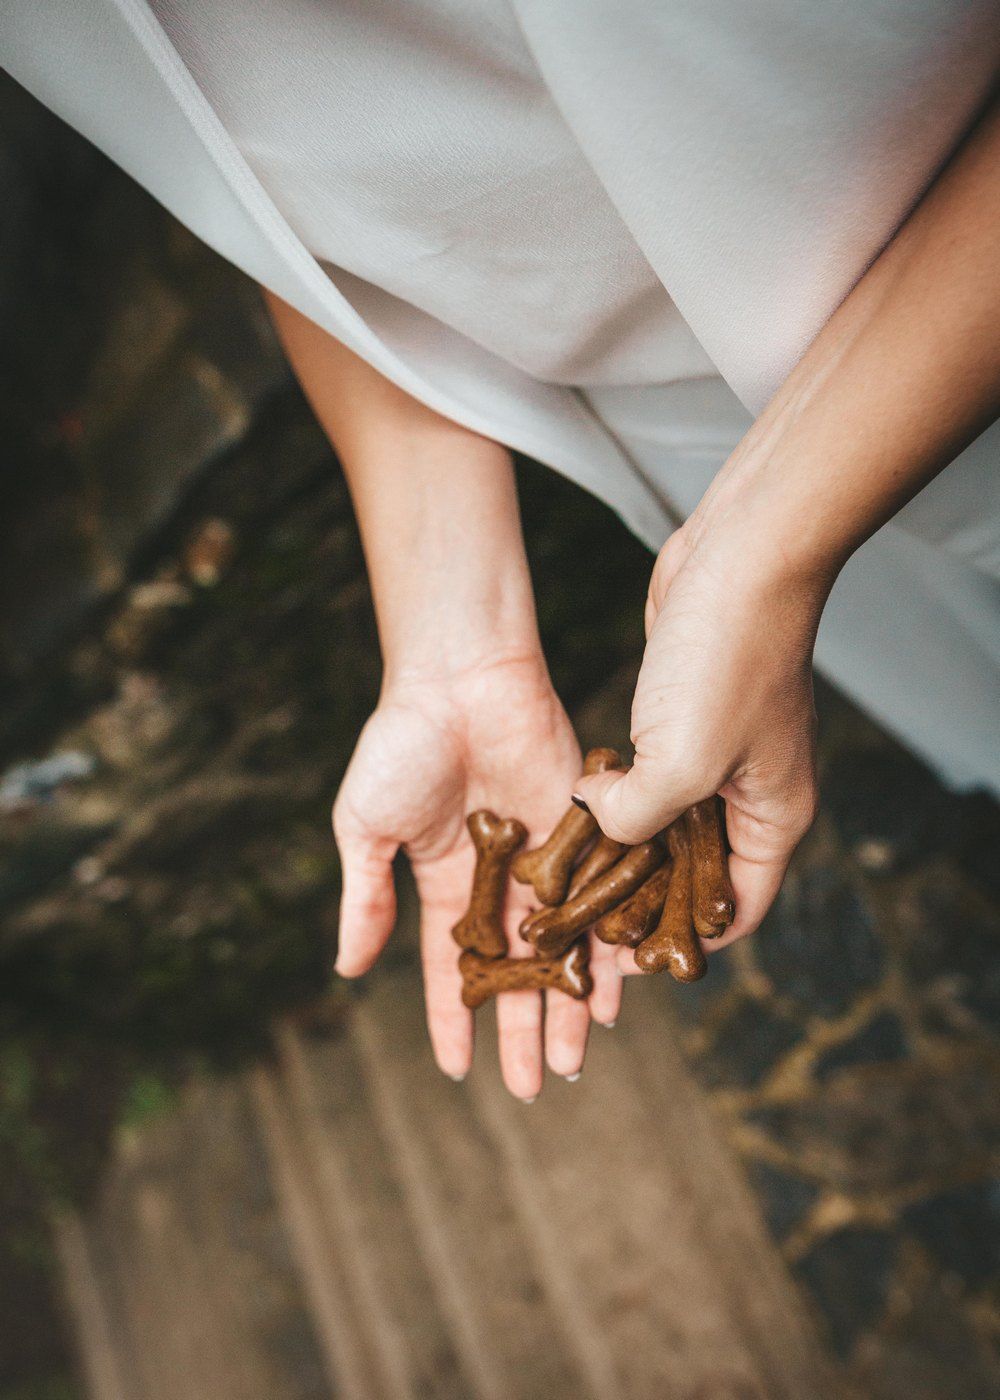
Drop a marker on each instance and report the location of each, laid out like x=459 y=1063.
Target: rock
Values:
x=952 y=936
x=932 y=1349
x=819 y=944
x=785 y=1199
x=188 y=414
x=881 y=1040
x=962 y=1229
x=891 y=1127
x=209 y=552
x=887 y=807
x=27 y=783
x=692 y=1000
x=977 y=840
x=35 y=857
x=849 y=1274
x=749 y=1045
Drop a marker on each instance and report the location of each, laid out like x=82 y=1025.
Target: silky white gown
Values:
x=601 y=232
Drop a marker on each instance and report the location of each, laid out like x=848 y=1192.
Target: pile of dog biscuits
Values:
x=660 y=897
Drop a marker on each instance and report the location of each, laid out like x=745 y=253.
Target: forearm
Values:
x=905 y=374
x=437 y=508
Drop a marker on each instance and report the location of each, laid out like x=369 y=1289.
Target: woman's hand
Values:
x=724 y=704
x=467 y=716
x=437 y=748
x=901 y=378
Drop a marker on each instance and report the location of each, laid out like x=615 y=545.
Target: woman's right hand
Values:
x=492 y=735
x=724 y=701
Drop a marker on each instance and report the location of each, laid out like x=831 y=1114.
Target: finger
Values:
x=755 y=886
x=606 y=998
x=367 y=904
x=631 y=806
x=567 y=1024
x=449 y=1022
x=759 y=855
x=519 y=1033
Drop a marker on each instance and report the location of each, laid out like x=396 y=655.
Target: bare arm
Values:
x=904 y=375
x=437 y=508
x=467 y=716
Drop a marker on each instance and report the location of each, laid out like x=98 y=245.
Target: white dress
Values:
x=601 y=232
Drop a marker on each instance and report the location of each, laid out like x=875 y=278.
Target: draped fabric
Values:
x=739 y=165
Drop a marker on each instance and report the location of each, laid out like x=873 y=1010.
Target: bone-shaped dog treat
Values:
x=554 y=930
x=636 y=919
x=481 y=927
x=601 y=856
x=483 y=978
x=712 y=900
x=548 y=868
x=673 y=944
x=529 y=923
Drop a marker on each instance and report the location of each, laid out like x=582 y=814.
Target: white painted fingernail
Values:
x=457 y=1077
x=571 y=1078
x=531 y=1100
x=609 y=1025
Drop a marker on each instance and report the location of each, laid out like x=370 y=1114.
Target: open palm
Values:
x=431 y=753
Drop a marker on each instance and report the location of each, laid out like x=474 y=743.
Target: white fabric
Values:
x=418 y=149
x=911 y=632
x=758 y=156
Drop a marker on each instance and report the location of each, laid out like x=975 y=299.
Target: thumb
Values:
x=367 y=904
x=630 y=806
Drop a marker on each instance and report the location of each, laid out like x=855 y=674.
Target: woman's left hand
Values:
x=492 y=735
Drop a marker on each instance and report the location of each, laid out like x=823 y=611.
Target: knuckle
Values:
x=627 y=827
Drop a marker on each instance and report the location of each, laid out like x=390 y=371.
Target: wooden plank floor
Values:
x=347 y=1222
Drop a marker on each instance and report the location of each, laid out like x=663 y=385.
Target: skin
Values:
x=903 y=376
x=467 y=716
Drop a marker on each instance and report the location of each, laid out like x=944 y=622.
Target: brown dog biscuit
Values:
x=481 y=927
x=673 y=944
x=602 y=856
x=635 y=920
x=529 y=922
x=548 y=867
x=483 y=978
x=554 y=929
x=712 y=902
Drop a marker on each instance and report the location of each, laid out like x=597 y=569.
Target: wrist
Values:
x=474 y=614
x=776 y=524
x=450 y=669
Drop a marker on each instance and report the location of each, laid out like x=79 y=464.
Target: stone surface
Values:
x=952 y=938
x=887 y=807
x=819 y=945
x=785 y=1199
x=849 y=1274
x=962 y=1228
x=749 y=1044
x=882 y=1039
x=890 y=1128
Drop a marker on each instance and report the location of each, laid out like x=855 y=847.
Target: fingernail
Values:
x=457 y=1077
x=571 y=1078
x=531 y=1100
x=579 y=802
x=609 y=1025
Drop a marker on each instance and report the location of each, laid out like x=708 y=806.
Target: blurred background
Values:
x=219 y=1174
